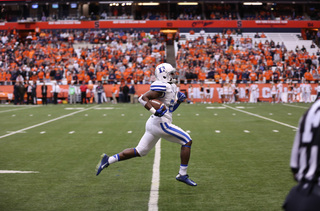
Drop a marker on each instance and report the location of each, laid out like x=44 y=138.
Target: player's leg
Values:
x=147 y=142
x=175 y=134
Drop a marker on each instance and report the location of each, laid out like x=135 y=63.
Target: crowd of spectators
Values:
x=131 y=56
x=222 y=58
x=50 y=55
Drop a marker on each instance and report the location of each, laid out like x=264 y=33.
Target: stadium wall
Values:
x=184 y=26
x=264 y=91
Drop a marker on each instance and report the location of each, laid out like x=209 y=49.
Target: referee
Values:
x=305 y=163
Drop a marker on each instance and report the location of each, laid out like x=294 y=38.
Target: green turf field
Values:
x=240 y=157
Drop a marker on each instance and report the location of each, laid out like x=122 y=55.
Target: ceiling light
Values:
x=187 y=3
x=149 y=4
x=252 y=3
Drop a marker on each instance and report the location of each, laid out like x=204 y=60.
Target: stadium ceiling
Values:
x=167 y=1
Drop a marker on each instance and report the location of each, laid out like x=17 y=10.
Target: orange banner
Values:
x=264 y=91
x=74 y=24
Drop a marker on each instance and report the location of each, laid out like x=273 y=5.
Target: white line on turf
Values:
x=14 y=131
x=295 y=106
x=18 y=109
x=46 y=122
x=17 y=172
x=262 y=117
x=155 y=182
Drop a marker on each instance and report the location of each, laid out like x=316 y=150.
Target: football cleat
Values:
x=185 y=179
x=103 y=163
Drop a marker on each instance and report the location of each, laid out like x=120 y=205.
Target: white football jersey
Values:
x=169 y=96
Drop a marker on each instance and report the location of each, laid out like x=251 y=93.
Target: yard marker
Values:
x=289 y=114
x=211 y=107
x=75 y=108
x=141 y=114
x=104 y=108
x=122 y=114
x=188 y=131
x=129 y=131
x=246 y=131
x=104 y=114
x=240 y=107
x=276 y=131
x=155 y=181
x=233 y=114
x=42 y=132
x=13 y=115
x=71 y=132
x=86 y=115
x=262 y=117
x=46 y=122
x=100 y=132
x=197 y=114
x=31 y=115
x=216 y=114
x=178 y=114
x=16 y=172
x=49 y=114
x=270 y=114
x=217 y=131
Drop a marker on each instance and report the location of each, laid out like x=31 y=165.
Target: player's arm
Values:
x=181 y=98
x=146 y=97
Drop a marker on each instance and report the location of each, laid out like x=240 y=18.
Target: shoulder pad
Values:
x=158 y=86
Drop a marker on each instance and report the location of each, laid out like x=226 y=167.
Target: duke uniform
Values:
x=159 y=125
x=305 y=158
x=162 y=127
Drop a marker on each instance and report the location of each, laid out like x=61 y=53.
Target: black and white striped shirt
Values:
x=305 y=155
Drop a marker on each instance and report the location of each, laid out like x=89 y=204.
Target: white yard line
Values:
x=16 y=109
x=17 y=172
x=295 y=106
x=262 y=117
x=155 y=182
x=43 y=123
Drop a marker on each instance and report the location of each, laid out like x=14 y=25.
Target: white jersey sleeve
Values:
x=158 y=86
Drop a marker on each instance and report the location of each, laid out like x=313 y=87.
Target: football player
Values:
x=159 y=125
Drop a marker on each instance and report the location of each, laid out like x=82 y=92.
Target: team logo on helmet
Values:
x=164 y=72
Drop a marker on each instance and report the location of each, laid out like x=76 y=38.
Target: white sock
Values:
x=114 y=159
x=183 y=169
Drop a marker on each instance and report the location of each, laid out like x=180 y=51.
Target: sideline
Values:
x=155 y=181
x=17 y=109
x=43 y=123
x=262 y=117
